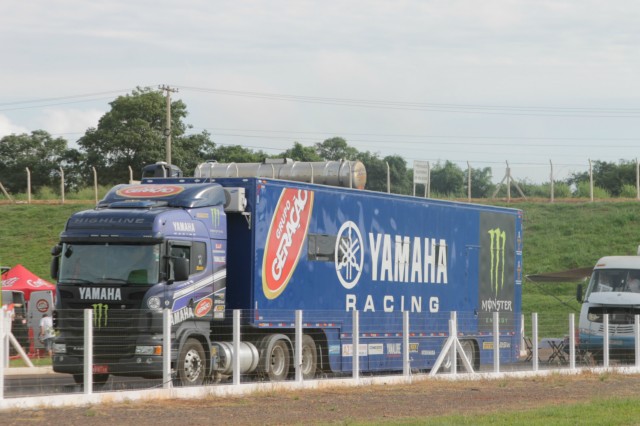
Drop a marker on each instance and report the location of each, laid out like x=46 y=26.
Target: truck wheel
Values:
x=470 y=351
x=278 y=359
x=309 y=357
x=191 y=364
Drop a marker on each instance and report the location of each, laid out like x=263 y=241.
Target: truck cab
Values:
x=144 y=248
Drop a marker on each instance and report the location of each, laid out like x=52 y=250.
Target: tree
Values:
x=481 y=185
x=237 y=154
x=376 y=171
x=611 y=177
x=400 y=181
x=40 y=152
x=132 y=134
x=301 y=153
x=447 y=179
x=336 y=149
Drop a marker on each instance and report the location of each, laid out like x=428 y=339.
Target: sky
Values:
x=478 y=83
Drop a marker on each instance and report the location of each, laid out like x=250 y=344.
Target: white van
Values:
x=614 y=289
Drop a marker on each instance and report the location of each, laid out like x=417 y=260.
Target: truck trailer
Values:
x=206 y=246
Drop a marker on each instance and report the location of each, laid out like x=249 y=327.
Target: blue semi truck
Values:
x=206 y=246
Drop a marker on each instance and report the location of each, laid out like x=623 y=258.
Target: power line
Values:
x=545 y=111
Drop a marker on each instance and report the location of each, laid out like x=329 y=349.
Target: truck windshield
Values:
x=619 y=280
x=109 y=263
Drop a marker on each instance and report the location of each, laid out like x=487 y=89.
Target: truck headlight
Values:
x=148 y=350
x=59 y=348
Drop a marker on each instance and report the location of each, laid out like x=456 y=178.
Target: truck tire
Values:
x=275 y=359
x=469 y=348
x=191 y=364
x=309 y=357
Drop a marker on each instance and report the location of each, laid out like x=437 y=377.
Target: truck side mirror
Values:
x=54 y=269
x=579 y=293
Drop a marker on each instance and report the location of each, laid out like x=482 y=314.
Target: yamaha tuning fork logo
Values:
x=349 y=254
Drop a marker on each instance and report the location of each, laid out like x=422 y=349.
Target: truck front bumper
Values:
x=147 y=366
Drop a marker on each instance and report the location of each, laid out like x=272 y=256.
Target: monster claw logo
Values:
x=497 y=250
x=349 y=255
x=100 y=315
x=215 y=217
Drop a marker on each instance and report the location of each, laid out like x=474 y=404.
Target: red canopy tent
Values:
x=21 y=279
x=26 y=322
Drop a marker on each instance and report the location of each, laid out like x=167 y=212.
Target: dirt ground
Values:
x=375 y=404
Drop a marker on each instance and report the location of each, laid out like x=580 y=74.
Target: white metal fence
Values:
x=462 y=350
x=423 y=179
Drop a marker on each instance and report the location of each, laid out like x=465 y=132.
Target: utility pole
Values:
x=167 y=129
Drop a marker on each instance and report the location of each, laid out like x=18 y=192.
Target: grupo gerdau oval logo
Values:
x=149 y=191
x=203 y=307
x=285 y=239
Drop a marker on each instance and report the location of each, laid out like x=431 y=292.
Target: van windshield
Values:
x=109 y=263
x=618 y=280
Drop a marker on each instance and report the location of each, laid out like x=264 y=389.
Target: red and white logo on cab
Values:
x=42 y=305
x=203 y=307
x=149 y=191
x=285 y=240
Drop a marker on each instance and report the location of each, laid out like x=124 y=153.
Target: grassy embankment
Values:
x=556 y=237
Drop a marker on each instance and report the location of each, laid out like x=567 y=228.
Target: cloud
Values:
x=70 y=124
x=8 y=128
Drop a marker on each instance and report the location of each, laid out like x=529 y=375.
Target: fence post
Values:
x=62 y=184
x=590 y=181
x=2 y=350
x=551 y=181
x=88 y=351
x=534 y=340
x=356 y=344
x=469 y=181
x=28 y=186
x=388 y=179
x=297 y=351
x=453 y=332
x=236 y=346
x=636 y=330
x=166 y=348
x=496 y=342
x=95 y=183
x=637 y=179
x=572 y=341
x=605 y=342
x=406 y=362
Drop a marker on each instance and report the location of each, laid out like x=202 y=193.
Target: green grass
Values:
x=557 y=236
x=606 y=411
x=28 y=231
x=37 y=362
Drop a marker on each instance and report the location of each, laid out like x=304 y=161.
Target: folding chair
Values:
x=529 y=348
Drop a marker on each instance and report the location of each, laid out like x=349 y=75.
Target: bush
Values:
x=583 y=191
x=628 y=191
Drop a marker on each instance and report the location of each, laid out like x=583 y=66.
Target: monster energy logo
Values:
x=498 y=243
x=215 y=217
x=100 y=315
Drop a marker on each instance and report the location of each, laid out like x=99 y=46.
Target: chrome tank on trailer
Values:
x=349 y=174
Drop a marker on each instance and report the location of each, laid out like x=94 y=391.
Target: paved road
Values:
x=43 y=381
